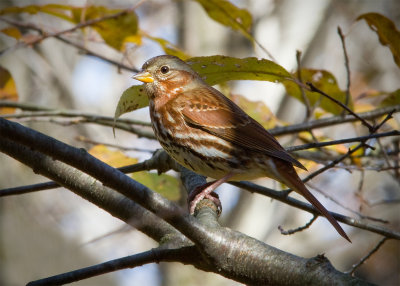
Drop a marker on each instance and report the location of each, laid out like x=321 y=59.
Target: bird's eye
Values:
x=164 y=69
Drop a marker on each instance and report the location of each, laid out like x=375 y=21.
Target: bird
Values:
x=206 y=132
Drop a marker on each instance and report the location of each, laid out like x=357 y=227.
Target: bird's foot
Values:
x=203 y=192
x=206 y=191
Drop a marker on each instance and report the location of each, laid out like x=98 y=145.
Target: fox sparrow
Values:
x=209 y=134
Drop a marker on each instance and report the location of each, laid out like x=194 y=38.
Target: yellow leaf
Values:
x=114 y=31
x=164 y=184
x=134 y=39
x=324 y=81
x=61 y=11
x=388 y=34
x=12 y=32
x=131 y=99
x=229 y=15
x=392 y=99
x=113 y=158
x=8 y=90
x=257 y=110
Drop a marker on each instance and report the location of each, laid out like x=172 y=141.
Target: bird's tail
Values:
x=289 y=177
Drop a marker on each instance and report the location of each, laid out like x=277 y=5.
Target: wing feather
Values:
x=209 y=110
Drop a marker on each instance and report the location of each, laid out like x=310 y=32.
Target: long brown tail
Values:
x=290 y=178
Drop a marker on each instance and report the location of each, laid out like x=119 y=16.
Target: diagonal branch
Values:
x=248 y=258
x=325 y=122
x=155 y=255
x=364 y=122
x=89 y=189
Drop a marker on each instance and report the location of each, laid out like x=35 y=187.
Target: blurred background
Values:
x=54 y=231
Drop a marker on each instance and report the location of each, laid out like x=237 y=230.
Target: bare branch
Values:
x=346 y=64
x=282 y=196
x=364 y=122
x=320 y=123
x=125 y=148
x=292 y=231
x=154 y=255
x=343 y=141
x=360 y=215
x=365 y=258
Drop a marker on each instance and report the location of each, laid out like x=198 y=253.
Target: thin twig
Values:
x=282 y=196
x=97 y=55
x=303 y=94
x=94 y=142
x=347 y=65
x=315 y=89
x=342 y=141
x=325 y=122
x=360 y=215
x=365 y=258
x=150 y=256
x=360 y=189
x=333 y=163
x=383 y=202
x=351 y=151
x=71 y=113
x=292 y=231
x=46 y=111
x=159 y=161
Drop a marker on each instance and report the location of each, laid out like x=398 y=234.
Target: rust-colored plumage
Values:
x=206 y=132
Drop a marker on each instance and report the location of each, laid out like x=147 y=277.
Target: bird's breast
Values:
x=198 y=150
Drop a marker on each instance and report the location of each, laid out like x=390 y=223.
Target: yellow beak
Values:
x=144 y=76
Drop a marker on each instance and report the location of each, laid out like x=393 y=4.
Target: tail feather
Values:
x=290 y=178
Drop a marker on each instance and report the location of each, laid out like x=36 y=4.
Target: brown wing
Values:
x=209 y=110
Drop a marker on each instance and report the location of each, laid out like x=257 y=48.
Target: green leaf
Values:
x=324 y=81
x=214 y=70
x=114 y=158
x=218 y=69
x=8 y=90
x=166 y=185
x=392 y=99
x=228 y=15
x=114 y=31
x=131 y=99
x=387 y=32
x=61 y=11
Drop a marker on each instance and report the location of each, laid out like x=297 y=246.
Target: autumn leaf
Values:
x=164 y=184
x=386 y=30
x=228 y=15
x=8 y=90
x=324 y=81
x=113 y=158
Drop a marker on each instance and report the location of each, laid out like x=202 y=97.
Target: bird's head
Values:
x=167 y=76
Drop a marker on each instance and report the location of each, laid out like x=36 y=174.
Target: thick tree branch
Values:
x=90 y=189
x=223 y=251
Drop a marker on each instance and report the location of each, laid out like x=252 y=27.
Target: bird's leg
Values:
x=206 y=191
